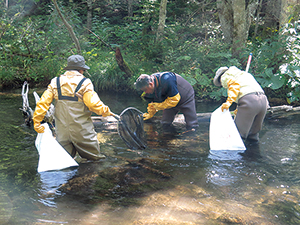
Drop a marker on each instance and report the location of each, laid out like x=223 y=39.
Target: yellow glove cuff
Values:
x=170 y=102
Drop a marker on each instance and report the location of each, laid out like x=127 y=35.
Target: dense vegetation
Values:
x=35 y=44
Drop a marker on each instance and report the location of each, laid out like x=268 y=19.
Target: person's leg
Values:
x=262 y=103
x=87 y=145
x=190 y=115
x=63 y=138
x=167 y=119
x=247 y=111
x=168 y=116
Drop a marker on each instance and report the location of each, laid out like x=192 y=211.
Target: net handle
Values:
x=117 y=117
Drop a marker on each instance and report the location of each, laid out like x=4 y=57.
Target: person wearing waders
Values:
x=252 y=103
x=75 y=100
x=171 y=93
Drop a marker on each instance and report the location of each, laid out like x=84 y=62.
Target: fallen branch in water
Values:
x=282 y=111
x=272 y=113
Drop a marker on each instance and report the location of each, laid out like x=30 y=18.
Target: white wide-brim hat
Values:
x=219 y=73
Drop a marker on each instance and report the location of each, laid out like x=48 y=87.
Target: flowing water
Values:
x=175 y=180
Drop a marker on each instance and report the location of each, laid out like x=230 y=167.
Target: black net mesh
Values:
x=131 y=128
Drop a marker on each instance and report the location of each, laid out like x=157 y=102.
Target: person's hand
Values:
x=225 y=106
x=147 y=116
x=38 y=127
x=235 y=111
x=151 y=111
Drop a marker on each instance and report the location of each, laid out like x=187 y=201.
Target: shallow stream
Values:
x=175 y=180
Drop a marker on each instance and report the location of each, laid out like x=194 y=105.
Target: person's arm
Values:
x=153 y=107
x=93 y=102
x=233 y=91
x=168 y=85
x=170 y=102
x=41 y=109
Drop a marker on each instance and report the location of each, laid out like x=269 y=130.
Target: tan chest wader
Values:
x=74 y=126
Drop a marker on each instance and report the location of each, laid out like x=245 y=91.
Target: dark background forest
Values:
x=122 y=39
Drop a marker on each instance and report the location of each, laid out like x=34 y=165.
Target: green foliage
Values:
x=35 y=48
x=276 y=62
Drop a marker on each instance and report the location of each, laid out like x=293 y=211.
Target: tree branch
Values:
x=69 y=28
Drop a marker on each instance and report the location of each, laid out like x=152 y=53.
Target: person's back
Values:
x=74 y=126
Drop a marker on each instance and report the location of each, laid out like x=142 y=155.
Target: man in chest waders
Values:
x=73 y=124
x=171 y=93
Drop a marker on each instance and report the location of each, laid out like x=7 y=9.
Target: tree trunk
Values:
x=225 y=16
x=89 y=14
x=162 y=20
x=122 y=64
x=257 y=18
x=235 y=18
x=129 y=8
x=69 y=28
x=272 y=14
x=287 y=11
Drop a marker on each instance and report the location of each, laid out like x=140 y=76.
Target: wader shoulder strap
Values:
x=157 y=90
x=74 y=98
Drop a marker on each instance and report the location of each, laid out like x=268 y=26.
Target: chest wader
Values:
x=252 y=109
x=74 y=126
x=186 y=105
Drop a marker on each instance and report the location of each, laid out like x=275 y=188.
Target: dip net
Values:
x=131 y=128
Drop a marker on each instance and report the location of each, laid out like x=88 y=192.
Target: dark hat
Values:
x=219 y=73
x=76 y=62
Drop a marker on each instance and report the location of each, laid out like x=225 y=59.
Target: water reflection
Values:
x=258 y=186
x=50 y=182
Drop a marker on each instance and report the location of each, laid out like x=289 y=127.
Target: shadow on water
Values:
x=175 y=180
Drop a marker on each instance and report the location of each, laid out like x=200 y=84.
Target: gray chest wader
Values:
x=186 y=105
x=74 y=126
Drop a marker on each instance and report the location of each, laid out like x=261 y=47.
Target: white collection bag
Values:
x=52 y=156
x=223 y=134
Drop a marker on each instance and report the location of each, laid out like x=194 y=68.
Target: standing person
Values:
x=73 y=123
x=171 y=93
x=251 y=100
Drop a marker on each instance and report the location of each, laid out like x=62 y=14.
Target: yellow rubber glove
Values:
x=41 y=109
x=170 y=102
x=151 y=112
x=93 y=102
x=233 y=91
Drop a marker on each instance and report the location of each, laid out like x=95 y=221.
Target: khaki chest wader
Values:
x=74 y=126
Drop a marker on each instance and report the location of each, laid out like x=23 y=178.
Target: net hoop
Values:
x=131 y=128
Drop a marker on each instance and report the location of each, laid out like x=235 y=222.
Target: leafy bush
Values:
x=276 y=63
x=35 y=48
